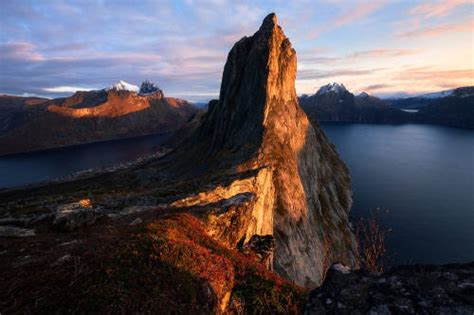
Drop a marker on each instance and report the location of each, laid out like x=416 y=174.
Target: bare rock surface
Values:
x=416 y=289
x=11 y=231
x=302 y=187
x=72 y=216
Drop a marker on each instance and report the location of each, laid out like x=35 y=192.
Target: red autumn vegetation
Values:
x=169 y=265
x=371 y=239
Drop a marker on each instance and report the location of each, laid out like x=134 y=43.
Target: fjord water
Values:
x=424 y=176
x=30 y=168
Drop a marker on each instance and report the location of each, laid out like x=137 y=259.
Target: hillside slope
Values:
x=92 y=116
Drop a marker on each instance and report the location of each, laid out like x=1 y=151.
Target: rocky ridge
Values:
x=92 y=116
x=333 y=102
x=302 y=188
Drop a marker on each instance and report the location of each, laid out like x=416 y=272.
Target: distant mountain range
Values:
x=419 y=101
x=333 y=102
x=120 y=111
x=124 y=110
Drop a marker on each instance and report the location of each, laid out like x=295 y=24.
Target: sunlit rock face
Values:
x=299 y=190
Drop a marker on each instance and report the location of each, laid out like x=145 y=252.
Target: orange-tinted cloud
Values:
x=419 y=74
x=384 y=52
x=466 y=26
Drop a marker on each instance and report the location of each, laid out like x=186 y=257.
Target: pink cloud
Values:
x=384 y=52
x=359 y=12
x=466 y=26
x=376 y=87
x=20 y=51
x=443 y=75
x=355 y=14
x=437 y=8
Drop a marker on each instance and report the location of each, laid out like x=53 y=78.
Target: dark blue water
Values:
x=28 y=168
x=424 y=176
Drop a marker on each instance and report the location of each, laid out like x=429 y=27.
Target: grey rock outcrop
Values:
x=12 y=231
x=262 y=246
x=72 y=216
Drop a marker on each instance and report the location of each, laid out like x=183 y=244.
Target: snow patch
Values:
x=123 y=86
x=332 y=87
x=437 y=94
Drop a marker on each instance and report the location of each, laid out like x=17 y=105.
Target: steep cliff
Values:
x=302 y=188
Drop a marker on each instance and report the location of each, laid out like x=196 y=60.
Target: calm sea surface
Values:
x=424 y=176
x=27 y=168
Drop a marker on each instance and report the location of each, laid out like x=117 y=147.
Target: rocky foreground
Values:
x=416 y=289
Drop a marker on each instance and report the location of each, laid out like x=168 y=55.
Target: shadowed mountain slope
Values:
x=91 y=116
x=333 y=102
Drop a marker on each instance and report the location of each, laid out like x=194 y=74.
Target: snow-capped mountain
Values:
x=123 y=86
x=466 y=91
x=437 y=94
x=423 y=100
x=332 y=87
x=333 y=102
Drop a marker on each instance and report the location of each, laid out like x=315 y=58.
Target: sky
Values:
x=384 y=47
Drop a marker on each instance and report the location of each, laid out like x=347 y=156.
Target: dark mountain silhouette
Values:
x=420 y=101
x=334 y=103
x=455 y=109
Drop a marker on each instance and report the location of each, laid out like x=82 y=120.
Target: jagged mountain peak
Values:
x=363 y=95
x=259 y=69
x=149 y=88
x=269 y=22
x=257 y=126
x=332 y=87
